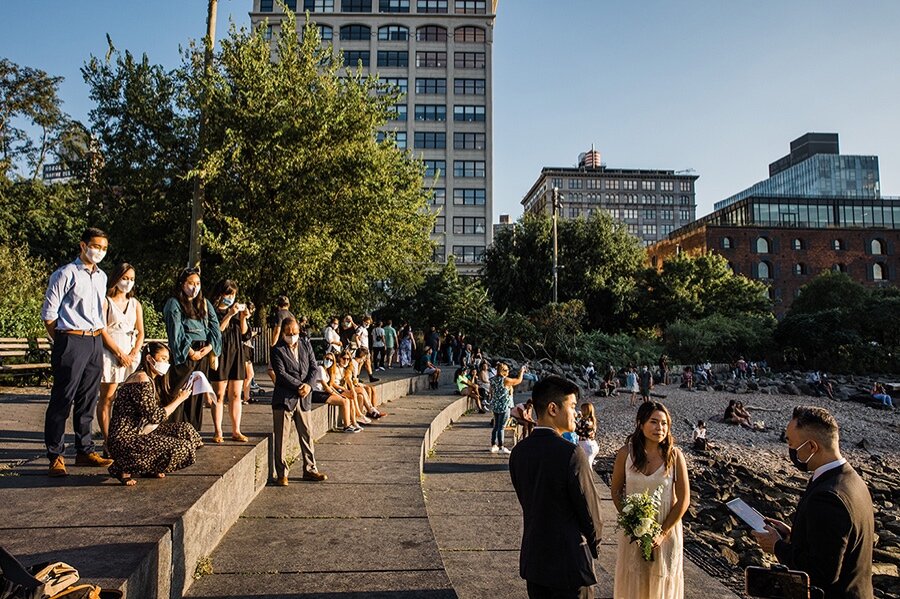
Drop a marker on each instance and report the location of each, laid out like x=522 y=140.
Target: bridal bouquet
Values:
x=639 y=519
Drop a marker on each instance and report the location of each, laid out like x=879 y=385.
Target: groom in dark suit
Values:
x=560 y=502
x=295 y=368
x=833 y=527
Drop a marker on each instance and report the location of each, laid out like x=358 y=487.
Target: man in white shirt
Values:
x=378 y=346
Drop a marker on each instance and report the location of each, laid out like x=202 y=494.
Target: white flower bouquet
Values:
x=638 y=519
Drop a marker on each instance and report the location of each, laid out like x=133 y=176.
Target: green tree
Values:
x=693 y=287
x=599 y=262
x=720 y=337
x=301 y=199
x=23 y=280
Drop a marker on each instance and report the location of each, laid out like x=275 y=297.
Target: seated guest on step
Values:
x=228 y=377
x=424 y=365
x=195 y=341
x=122 y=338
x=295 y=369
x=524 y=415
x=483 y=380
x=340 y=376
x=501 y=403
x=139 y=440
x=360 y=359
x=466 y=386
x=362 y=394
x=323 y=392
x=881 y=396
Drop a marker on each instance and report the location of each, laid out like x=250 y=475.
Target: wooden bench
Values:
x=20 y=356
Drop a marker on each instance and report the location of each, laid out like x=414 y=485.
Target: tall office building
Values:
x=438 y=52
x=815 y=168
x=651 y=203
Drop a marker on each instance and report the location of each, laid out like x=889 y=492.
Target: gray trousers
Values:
x=281 y=425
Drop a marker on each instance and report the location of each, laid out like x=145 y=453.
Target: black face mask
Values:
x=796 y=461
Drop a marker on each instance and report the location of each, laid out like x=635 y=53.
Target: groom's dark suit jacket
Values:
x=561 y=510
x=832 y=535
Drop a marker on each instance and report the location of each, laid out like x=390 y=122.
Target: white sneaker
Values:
x=504 y=450
x=380 y=368
x=494 y=449
x=364 y=420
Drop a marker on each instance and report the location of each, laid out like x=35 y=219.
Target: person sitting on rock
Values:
x=687 y=378
x=880 y=395
x=736 y=414
x=610 y=382
x=699 y=437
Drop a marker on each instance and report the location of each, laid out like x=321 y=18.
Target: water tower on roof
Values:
x=589 y=159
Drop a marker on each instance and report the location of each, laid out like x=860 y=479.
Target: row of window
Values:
x=400 y=33
x=465 y=7
x=391 y=58
x=764 y=245
x=623 y=184
x=462 y=225
x=627 y=198
x=438 y=113
x=437 y=140
x=764 y=270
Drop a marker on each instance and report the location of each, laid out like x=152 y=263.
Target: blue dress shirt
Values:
x=75 y=297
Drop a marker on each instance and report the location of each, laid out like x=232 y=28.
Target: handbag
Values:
x=42 y=580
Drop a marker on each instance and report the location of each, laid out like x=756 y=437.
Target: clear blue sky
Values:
x=720 y=87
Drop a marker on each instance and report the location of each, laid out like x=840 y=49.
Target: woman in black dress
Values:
x=228 y=377
x=139 y=441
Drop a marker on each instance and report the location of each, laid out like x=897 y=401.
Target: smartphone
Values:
x=241 y=307
x=776 y=583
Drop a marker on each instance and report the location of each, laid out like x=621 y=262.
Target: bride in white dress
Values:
x=649 y=459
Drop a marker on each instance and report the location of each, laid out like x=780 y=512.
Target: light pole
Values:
x=555 y=246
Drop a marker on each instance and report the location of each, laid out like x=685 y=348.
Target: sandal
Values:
x=218 y=440
x=124 y=479
x=240 y=438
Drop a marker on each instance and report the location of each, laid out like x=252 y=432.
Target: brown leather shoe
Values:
x=314 y=476
x=57 y=467
x=92 y=459
x=281 y=482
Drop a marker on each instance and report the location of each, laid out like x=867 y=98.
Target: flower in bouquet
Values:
x=639 y=519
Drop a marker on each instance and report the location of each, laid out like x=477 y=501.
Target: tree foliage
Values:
x=598 y=259
x=23 y=280
x=720 y=337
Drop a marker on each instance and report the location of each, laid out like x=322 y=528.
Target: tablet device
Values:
x=746 y=513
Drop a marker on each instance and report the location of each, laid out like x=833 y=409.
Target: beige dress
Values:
x=120 y=324
x=662 y=578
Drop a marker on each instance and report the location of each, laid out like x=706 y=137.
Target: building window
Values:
x=469 y=34
x=469 y=60
x=764 y=270
x=630 y=185
x=649 y=230
x=468 y=168
x=326 y=33
x=838 y=244
x=763 y=246
x=799 y=269
x=431 y=6
x=438 y=196
x=684 y=215
x=356 y=6
x=877 y=247
x=440 y=225
x=431 y=86
x=431 y=33
x=431 y=112
x=393 y=33
x=398 y=112
x=469 y=254
x=839 y=267
x=727 y=243
x=439 y=254
x=667 y=186
x=353 y=58
x=399 y=138
x=666 y=229
x=268 y=33
x=355 y=32
x=468 y=113
x=393 y=5
x=434 y=168
x=469 y=197
x=558 y=183
x=575 y=183
x=470 y=7
x=468 y=87
x=879 y=272
x=634 y=229
x=666 y=215
x=431 y=59
x=430 y=140
x=318 y=5
x=393 y=58
x=266 y=5
x=648 y=185
x=612 y=184
x=797 y=244
x=389 y=83
x=650 y=214
x=468 y=141
x=629 y=213
x=469 y=225
x=684 y=186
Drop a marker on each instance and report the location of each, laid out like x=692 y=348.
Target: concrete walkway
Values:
x=477 y=520
x=362 y=533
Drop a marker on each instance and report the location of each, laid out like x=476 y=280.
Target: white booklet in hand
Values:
x=746 y=513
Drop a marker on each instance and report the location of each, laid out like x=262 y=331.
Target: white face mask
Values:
x=192 y=291
x=160 y=368
x=94 y=255
x=291 y=339
x=125 y=285
x=328 y=363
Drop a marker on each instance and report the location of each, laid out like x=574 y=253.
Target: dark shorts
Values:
x=320 y=396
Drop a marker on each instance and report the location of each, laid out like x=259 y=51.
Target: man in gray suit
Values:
x=560 y=502
x=294 y=364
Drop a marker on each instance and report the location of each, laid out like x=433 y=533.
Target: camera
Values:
x=778 y=582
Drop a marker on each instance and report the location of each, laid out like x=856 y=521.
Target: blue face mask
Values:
x=227 y=301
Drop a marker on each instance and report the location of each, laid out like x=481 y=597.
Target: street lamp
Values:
x=555 y=246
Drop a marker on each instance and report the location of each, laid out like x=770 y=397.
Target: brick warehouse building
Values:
x=786 y=241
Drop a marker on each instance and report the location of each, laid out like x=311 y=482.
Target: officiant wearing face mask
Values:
x=294 y=363
x=832 y=534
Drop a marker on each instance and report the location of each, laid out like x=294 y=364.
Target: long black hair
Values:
x=116 y=276
x=192 y=308
x=666 y=447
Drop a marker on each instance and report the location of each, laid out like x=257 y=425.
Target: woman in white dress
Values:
x=649 y=459
x=122 y=339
